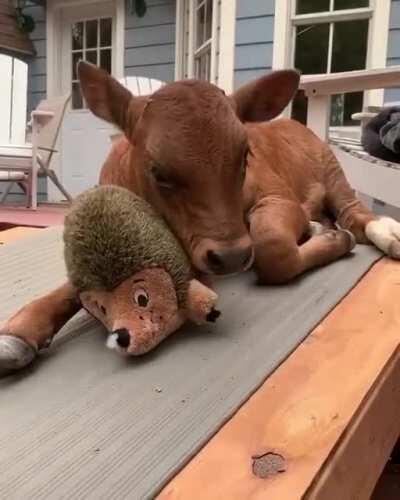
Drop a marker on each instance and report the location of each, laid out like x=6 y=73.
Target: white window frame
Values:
x=98 y=48
x=378 y=12
x=222 y=42
x=209 y=46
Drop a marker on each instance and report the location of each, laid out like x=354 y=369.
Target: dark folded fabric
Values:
x=381 y=135
x=390 y=133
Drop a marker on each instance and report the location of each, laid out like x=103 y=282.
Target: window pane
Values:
x=311 y=53
x=91 y=56
x=91 y=34
x=105 y=32
x=77 y=102
x=209 y=19
x=299 y=107
x=311 y=56
x=350 y=39
x=309 y=6
x=105 y=59
x=76 y=56
x=203 y=66
x=350 y=4
x=200 y=26
x=343 y=106
x=77 y=36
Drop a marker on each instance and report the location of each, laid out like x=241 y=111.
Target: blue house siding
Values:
x=37 y=66
x=254 y=39
x=150 y=41
x=393 y=54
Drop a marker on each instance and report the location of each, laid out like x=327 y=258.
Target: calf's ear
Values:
x=108 y=99
x=266 y=97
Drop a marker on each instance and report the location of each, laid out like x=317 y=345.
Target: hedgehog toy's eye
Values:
x=141 y=298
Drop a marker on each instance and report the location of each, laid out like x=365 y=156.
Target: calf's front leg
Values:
x=34 y=326
x=276 y=230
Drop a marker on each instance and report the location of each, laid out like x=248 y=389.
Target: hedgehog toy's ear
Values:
x=108 y=99
x=94 y=302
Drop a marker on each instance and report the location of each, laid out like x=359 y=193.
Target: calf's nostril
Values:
x=123 y=337
x=214 y=259
x=248 y=257
x=230 y=260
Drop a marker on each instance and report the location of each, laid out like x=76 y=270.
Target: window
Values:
x=331 y=36
x=201 y=37
x=91 y=41
x=203 y=29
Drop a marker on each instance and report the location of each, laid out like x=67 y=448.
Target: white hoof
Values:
x=15 y=353
x=385 y=234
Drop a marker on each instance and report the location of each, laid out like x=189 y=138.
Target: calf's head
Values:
x=190 y=154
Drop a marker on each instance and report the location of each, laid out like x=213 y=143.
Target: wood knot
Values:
x=267 y=465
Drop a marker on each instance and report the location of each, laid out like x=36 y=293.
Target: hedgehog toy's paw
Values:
x=201 y=303
x=213 y=315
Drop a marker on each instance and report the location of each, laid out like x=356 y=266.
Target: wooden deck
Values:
x=46 y=215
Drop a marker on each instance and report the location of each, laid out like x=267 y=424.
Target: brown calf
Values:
x=230 y=187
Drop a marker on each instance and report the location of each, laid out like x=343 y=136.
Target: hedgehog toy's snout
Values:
x=119 y=338
x=123 y=337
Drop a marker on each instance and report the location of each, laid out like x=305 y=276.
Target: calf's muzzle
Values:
x=214 y=257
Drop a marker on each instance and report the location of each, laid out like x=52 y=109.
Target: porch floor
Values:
x=47 y=214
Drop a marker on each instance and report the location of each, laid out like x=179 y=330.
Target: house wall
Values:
x=254 y=39
x=37 y=65
x=150 y=41
x=393 y=53
x=149 y=51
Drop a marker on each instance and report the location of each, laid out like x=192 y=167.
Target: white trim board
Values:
x=227 y=45
x=377 y=44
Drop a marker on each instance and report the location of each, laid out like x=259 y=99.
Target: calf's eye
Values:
x=244 y=162
x=141 y=298
x=161 y=177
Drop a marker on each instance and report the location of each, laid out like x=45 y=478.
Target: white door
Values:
x=88 y=33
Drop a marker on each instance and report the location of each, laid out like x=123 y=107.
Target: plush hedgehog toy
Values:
x=130 y=271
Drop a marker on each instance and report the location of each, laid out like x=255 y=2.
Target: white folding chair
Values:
x=24 y=164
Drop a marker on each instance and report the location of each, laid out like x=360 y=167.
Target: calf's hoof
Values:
x=352 y=242
x=385 y=234
x=345 y=239
x=15 y=353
